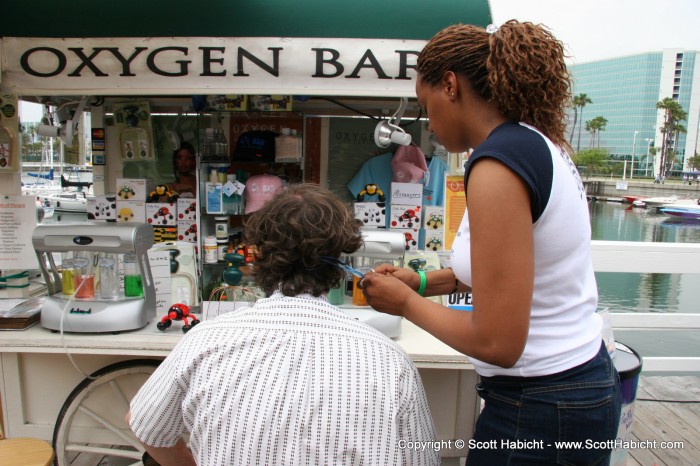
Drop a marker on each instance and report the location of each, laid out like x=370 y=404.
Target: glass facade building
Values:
x=625 y=91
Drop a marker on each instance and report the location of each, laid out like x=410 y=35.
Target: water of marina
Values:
x=662 y=293
x=629 y=292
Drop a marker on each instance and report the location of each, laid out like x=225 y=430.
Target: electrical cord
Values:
x=63 y=340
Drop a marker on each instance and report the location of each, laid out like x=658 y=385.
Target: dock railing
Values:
x=652 y=257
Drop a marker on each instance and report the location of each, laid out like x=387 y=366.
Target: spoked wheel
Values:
x=92 y=420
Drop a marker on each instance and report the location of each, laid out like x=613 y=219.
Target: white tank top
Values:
x=565 y=330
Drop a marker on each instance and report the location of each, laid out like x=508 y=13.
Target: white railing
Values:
x=644 y=257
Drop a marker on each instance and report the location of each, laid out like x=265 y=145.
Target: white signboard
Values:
x=17 y=222
x=209 y=65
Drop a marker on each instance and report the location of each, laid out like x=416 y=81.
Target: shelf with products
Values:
x=222 y=176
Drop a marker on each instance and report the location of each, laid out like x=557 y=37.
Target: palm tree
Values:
x=595 y=126
x=677 y=129
x=574 y=105
x=579 y=101
x=673 y=114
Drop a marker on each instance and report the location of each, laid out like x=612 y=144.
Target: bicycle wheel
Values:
x=92 y=421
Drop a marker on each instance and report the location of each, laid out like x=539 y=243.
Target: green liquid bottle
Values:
x=133 y=283
x=133 y=286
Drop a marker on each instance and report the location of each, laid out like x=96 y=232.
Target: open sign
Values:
x=460 y=301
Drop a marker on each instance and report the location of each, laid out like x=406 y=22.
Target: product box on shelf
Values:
x=433 y=217
x=410 y=237
x=133 y=189
x=164 y=234
x=214 y=198
x=187 y=231
x=271 y=103
x=406 y=193
x=102 y=208
x=187 y=209
x=372 y=214
x=131 y=211
x=405 y=216
x=433 y=239
x=161 y=213
x=228 y=102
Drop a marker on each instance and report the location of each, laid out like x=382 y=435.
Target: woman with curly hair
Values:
x=523 y=249
x=293 y=379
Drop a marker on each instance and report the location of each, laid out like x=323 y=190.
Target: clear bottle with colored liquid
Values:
x=67 y=274
x=133 y=282
x=109 y=279
x=84 y=274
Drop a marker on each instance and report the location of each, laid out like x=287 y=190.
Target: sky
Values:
x=593 y=29
x=598 y=29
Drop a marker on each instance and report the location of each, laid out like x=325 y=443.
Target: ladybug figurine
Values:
x=178 y=312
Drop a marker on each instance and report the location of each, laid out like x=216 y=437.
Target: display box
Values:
x=228 y=102
x=131 y=211
x=214 y=198
x=407 y=193
x=405 y=216
x=410 y=237
x=433 y=240
x=187 y=209
x=433 y=217
x=187 y=231
x=372 y=214
x=164 y=234
x=133 y=189
x=161 y=213
x=271 y=103
x=102 y=208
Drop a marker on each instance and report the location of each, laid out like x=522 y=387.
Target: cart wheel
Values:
x=92 y=421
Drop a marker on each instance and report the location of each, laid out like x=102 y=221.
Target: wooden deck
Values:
x=667 y=410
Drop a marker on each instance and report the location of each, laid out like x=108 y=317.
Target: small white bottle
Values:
x=210 y=250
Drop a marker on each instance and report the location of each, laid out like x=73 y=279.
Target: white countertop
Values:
x=424 y=349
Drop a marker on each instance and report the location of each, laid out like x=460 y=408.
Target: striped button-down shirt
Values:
x=291 y=380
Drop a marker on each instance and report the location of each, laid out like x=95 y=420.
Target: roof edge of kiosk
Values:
x=362 y=48
x=362 y=19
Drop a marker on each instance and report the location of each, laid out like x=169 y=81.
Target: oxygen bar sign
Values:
x=210 y=65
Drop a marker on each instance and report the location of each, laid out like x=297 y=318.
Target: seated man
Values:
x=293 y=379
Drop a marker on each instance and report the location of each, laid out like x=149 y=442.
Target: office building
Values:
x=625 y=91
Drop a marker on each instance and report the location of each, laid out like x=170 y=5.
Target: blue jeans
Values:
x=525 y=418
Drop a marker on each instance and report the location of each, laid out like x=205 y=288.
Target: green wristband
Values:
x=423 y=282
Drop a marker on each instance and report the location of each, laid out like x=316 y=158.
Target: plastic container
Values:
x=336 y=296
x=109 y=278
x=67 y=276
x=221 y=249
x=84 y=274
x=210 y=253
x=629 y=365
x=133 y=282
x=221 y=227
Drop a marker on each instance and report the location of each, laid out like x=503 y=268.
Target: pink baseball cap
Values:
x=259 y=189
x=408 y=164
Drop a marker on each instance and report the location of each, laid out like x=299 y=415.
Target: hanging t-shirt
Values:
x=434 y=189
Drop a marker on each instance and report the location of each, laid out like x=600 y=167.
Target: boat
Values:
x=632 y=199
x=656 y=201
x=66 y=202
x=687 y=212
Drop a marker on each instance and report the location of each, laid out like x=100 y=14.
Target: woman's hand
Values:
x=386 y=289
x=407 y=276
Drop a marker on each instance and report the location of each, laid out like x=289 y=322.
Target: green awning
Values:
x=388 y=19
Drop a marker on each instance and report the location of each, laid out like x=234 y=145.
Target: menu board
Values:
x=17 y=222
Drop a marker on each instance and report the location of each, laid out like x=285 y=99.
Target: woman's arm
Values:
x=502 y=269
